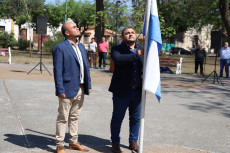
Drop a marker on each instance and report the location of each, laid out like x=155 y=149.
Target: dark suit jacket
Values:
x=123 y=60
x=67 y=69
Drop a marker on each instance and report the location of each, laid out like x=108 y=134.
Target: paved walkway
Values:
x=193 y=117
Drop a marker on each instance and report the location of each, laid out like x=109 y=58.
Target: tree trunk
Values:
x=100 y=27
x=224 y=12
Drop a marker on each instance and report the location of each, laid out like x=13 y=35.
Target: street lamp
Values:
x=118 y=3
x=65 y=11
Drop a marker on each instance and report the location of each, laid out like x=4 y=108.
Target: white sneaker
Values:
x=194 y=74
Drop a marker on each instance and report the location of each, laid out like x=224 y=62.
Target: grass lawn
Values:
x=188 y=64
x=22 y=57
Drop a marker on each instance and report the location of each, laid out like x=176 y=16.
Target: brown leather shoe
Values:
x=78 y=146
x=60 y=149
x=133 y=146
x=116 y=147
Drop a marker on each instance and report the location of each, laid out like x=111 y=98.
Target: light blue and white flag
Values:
x=152 y=82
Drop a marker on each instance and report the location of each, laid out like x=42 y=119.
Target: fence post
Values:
x=9 y=52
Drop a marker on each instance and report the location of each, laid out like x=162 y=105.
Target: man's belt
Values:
x=81 y=85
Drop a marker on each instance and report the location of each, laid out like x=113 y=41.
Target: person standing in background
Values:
x=200 y=56
x=93 y=46
x=93 y=49
x=224 y=57
x=103 y=50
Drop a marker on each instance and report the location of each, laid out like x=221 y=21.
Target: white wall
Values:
x=7 y=24
x=8 y=27
x=204 y=38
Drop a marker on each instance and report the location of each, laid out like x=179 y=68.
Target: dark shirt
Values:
x=136 y=74
x=200 y=54
x=135 y=81
x=127 y=69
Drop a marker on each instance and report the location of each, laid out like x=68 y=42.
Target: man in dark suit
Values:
x=72 y=81
x=126 y=86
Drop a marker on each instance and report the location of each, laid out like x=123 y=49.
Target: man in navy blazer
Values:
x=72 y=81
x=126 y=85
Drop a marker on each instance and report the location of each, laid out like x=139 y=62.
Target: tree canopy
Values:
x=175 y=15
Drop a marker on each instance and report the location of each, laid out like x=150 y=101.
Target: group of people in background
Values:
x=200 y=59
x=103 y=50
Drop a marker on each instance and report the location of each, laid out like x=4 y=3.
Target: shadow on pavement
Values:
x=207 y=97
x=18 y=71
x=47 y=142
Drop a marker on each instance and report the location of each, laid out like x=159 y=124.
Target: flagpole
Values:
x=143 y=100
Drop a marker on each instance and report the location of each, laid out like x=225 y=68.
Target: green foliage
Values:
x=166 y=32
x=137 y=16
x=55 y=15
x=22 y=10
x=81 y=13
x=57 y=38
x=3 y=8
x=7 y=39
x=23 y=44
x=116 y=15
x=11 y=8
x=111 y=44
x=182 y=15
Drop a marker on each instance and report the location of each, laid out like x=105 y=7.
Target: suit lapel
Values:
x=82 y=53
x=70 y=48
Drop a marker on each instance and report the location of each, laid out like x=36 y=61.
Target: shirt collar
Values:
x=72 y=43
x=124 y=43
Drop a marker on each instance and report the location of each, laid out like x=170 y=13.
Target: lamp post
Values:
x=118 y=3
x=65 y=11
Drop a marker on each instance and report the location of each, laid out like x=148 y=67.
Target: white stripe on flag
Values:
x=152 y=81
x=152 y=71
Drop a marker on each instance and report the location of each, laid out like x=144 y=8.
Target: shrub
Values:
x=24 y=44
x=7 y=39
x=111 y=44
x=57 y=38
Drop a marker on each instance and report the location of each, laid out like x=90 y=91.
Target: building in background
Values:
x=188 y=40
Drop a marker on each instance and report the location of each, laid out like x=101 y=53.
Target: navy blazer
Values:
x=123 y=60
x=67 y=69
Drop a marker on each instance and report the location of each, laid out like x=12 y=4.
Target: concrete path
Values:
x=193 y=117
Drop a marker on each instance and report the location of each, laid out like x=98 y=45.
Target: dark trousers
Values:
x=197 y=63
x=131 y=100
x=224 y=63
x=102 y=55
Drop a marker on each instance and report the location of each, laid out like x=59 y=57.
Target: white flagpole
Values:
x=143 y=100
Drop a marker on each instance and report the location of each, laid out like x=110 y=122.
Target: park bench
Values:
x=6 y=52
x=166 y=62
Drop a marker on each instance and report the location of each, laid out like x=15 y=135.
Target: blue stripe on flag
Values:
x=154 y=30
x=158 y=92
x=152 y=81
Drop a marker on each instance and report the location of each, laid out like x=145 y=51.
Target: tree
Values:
x=116 y=16
x=83 y=14
x=100 y=25
x=224 y=11
x=137 y=18
x=22 y=11
x=55 y=14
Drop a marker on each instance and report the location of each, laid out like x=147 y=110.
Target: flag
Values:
x=152 y=82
